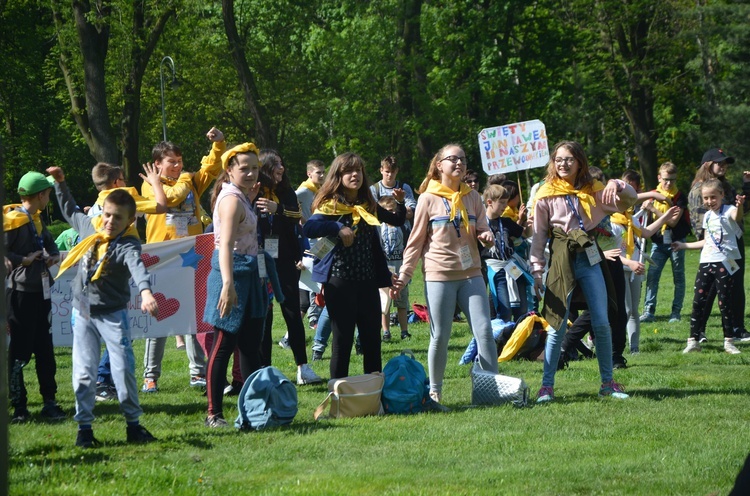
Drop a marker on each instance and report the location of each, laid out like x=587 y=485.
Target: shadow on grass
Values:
x=662 y=394
x=42 y=454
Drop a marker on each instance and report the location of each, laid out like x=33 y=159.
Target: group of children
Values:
x=586 y=240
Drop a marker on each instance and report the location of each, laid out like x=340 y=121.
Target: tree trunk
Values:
x=263 y=135
x=640 y=113
x=93 y=40
x=140 y=54
x=411 y=87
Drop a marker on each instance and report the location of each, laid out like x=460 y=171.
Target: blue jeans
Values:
x=660 y=253
x=591 y=281
x=502 y=305
x=105 y=370
x=322 y=332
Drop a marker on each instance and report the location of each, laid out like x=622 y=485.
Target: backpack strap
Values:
x=318 y=415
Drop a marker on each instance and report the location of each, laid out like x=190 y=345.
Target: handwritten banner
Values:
x=513 y=147
x=178 y=270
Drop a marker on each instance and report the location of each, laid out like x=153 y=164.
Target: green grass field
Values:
x=684 y=431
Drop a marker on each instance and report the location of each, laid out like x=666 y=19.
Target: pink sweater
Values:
x=554 y=211
x=434 y=238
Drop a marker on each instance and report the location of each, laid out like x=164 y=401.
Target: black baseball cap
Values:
x=716 y=155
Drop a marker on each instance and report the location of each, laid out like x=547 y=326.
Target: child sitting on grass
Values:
x=109 y=253
x=719 y=255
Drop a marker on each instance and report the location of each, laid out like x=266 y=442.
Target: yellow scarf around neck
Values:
x=455 y=197
x=270 y=195
x=626 y=220
x=664 y=206
x=13 y=219
x=511 y=213
x=358 y=212
x=89 y=243
x=309 y=185
x=559 y=187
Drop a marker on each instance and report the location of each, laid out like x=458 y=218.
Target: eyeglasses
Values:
x=565 y=160
x=454 y=159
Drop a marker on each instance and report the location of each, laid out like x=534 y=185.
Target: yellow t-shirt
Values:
x=183 y=217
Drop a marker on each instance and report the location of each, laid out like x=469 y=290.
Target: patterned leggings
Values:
x=707 y=274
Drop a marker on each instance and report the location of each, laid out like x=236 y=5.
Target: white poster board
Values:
x=513 y=147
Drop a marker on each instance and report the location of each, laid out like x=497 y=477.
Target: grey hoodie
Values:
x=111 y=291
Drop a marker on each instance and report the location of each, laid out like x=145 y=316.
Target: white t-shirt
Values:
x=721 y=233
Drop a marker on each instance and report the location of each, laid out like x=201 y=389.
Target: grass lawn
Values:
x=684 y=431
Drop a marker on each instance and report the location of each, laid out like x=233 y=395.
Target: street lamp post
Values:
x=170 y=63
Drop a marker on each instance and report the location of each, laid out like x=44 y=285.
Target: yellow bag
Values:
x=355 y=396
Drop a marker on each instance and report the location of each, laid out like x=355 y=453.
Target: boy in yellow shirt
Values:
x=184 y=217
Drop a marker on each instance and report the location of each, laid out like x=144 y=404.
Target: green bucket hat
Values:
x=33 y=182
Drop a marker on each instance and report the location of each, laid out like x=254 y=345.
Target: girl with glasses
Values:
x=448 y=221
x=568 y=206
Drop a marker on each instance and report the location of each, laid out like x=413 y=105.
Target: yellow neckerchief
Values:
x=270 y=195
x=329 y=207
x=511 y=213
x=663 y=206
x=457 y=205
x=559 y=187
x=13 y=218
x=309 y=185
x=88 y=243
x=626 y=219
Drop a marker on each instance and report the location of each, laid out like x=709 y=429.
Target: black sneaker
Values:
x=86 y=439
x=317 y=356
x=20 y=415
x=744 y=336
x=52 y=411
x=405 y=335
x=105 y=392
x=139 y=434
x=619 y=363
x=702 y=338
x=386 y=336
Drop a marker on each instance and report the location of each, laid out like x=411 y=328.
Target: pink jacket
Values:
x=554 y=212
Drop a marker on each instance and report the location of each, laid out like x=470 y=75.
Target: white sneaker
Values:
x=693 y=345
x=729 y=346
x=305 y=375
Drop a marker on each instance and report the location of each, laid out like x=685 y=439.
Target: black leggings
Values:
x=713 y=274
x=350 y=304
x=247 y=339
x=738 y=298
x=290 y=310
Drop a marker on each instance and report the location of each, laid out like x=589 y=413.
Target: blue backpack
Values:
x=406 y=389
x=267 y=399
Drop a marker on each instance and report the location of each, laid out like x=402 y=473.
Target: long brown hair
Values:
x=583 y=177
x=333 y=189
x=706 y=173
x=432 y=170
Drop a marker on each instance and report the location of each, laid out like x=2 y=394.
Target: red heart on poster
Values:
x=149 y=260
x=167 y=306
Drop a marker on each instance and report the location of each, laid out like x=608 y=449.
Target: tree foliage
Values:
x=637 y=82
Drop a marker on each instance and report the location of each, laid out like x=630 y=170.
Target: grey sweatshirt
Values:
x=18 y=244
x=111 y=291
